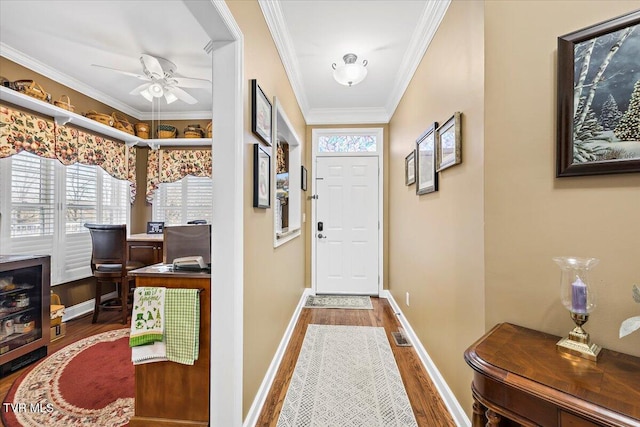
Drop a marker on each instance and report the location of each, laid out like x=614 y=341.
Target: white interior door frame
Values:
x=316 y=133
x=227 y=250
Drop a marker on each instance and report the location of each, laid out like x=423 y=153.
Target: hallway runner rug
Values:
x=87 y=383
x=339 y=301
x=346 y=376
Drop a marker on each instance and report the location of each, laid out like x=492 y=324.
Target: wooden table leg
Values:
x=479 y=419
x=493 y=419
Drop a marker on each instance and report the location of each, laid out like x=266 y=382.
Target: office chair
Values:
x=109 y=264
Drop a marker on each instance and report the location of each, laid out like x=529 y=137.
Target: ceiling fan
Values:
x=160 y=78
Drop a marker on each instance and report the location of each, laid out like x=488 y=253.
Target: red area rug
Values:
x=87 y=383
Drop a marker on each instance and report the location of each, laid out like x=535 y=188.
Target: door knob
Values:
x=320 y=236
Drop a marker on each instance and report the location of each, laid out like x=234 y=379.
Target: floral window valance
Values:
x=22 y=131
x=171 y=165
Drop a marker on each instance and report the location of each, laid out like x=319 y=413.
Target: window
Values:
x=178 y=202
x=347 y=144
x=49 y=203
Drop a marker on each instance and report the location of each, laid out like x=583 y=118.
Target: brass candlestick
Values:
x=578 y=342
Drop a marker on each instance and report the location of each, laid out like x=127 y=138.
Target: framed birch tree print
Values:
x=599 y=99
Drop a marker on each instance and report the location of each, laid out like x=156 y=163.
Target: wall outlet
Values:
x=407 y=299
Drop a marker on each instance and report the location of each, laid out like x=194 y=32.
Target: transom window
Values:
x=347 y=144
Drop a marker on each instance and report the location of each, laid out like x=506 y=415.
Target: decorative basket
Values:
x=64 y=104
x=167 y=131
x=6 y=82
x=121 y=123
x=105 y=119
x=33 y=89
x=142 y=130
x=193 y=131
x=209 y=130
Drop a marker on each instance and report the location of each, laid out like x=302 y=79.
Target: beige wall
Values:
x=478 y=252
x=273 y=278
x=532 y=216
x=436 y=246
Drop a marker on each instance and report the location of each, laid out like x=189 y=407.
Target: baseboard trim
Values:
x=83 y=308
x=261 y=395
x=456 y=411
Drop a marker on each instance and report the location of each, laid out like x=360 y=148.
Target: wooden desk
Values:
x=145 y=248
x=167 y=393
x=520 y=377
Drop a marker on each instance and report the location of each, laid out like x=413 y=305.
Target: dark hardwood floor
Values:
x=428 y=407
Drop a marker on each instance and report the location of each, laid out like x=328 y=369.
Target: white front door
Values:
x=346 y=228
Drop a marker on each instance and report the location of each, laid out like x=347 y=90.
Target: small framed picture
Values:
x=260 y=113
x=449 y=143
x=303 y=175
x=410 y=168
x=427 y=177
x=155 y=227
x=261 y=177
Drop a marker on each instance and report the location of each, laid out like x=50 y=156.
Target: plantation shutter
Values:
x=182 y=201
x=48 y=205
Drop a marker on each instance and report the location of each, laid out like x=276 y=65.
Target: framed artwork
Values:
x=260 y=113
x=599 y=99
x=261 y=177
x=410 y=168
x=426 y=176
x=449 y=143
x=303 y=175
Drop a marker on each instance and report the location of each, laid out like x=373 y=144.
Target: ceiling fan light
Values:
x=350 y=73
x=147 y=95
x=156 y=90
x=170 y=97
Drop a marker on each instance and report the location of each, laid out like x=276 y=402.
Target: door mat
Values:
x=357 y=302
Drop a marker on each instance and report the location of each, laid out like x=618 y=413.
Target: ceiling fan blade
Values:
x=152 y=65
x=126 y=73
x=192 y=83
x=140 y=88
x=181 y=95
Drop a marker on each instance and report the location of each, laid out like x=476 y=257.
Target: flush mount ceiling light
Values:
x=350 y=73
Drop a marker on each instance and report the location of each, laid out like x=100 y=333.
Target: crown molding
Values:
x=275 y=21
x=347 y=116
x=426 y=28
x=42 y=68
x=47 y=71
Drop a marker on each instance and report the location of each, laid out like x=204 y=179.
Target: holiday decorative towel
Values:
x=182 y=318
x=147 y=317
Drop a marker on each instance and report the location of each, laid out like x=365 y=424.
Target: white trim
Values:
x=83 y=308
x=456 y=411
x=343 y=116
x=227 y=247
x=267 y=382
x=288 y=133
x=379 y=132
x=41 y=68
x=276 y=23
x=425 y=30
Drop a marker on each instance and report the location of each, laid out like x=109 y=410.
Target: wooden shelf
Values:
x=63 y=117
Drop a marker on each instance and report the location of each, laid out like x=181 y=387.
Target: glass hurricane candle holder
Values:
x=578 y=296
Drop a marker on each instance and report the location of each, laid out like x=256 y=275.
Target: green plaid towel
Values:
x=182 y=325
x=147 y=316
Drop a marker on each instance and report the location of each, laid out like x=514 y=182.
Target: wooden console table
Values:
x=520 y=379
x=171 y=394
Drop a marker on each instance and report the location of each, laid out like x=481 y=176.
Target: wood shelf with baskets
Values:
x=63 y=117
